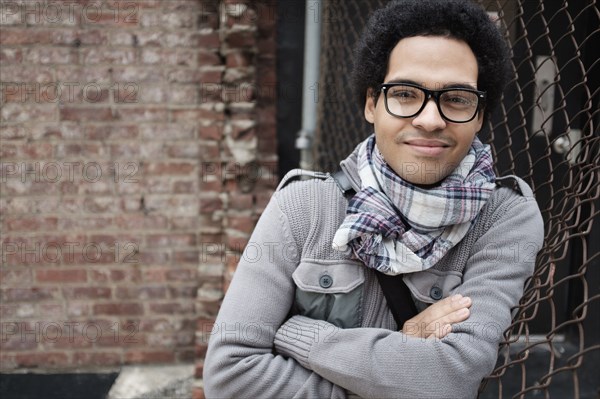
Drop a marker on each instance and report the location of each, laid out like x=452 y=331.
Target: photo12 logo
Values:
x=67 y=12
x=69 y=252
x=58 y=172
x=68 y=92
x=70 y=331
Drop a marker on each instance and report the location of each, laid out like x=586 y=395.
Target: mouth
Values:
x=428 y=147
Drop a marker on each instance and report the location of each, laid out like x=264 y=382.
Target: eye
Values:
x=459 y=99
x=404 y=93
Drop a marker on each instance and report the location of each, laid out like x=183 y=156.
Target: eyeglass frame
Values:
x=481 y=97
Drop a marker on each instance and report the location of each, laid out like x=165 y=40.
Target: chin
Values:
x=427 y=173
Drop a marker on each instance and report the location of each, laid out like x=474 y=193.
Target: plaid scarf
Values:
x=395 y=227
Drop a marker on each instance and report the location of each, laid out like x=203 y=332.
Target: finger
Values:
x=444 y=307
x=452 y=318
x=440 y=332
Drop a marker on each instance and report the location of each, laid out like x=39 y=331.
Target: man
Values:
x=309 y=317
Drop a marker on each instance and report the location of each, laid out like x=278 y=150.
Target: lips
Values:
x=427 y=147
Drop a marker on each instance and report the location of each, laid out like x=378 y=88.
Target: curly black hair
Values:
x=458 y=19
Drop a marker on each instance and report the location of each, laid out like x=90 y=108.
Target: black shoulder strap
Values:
x=398 y=297
x=343 y=183
x=394 y=289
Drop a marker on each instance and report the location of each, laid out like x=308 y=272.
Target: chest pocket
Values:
x=330 y=291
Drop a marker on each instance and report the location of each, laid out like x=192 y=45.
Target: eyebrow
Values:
x=453 y=85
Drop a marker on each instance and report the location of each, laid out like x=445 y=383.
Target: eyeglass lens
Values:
x=456 y=105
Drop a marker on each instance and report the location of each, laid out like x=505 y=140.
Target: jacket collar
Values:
x=350 y=168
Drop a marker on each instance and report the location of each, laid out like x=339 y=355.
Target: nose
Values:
x=429 y=119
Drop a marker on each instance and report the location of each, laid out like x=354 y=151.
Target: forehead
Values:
x=432 y=61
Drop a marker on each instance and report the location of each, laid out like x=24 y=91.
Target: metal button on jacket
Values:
x=435 y=293
x=325 y=281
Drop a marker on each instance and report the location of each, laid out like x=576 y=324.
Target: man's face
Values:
x=426 y=148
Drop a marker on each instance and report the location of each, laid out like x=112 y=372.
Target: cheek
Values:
x=465 y=145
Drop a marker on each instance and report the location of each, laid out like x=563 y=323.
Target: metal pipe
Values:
x=310 y=83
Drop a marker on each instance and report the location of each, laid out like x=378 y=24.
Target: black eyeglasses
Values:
x=406 y=100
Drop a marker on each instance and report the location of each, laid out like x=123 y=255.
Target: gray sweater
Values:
x=261 y=347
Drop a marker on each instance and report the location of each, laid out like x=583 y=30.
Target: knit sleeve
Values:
x=376 y=363
x=240 y=361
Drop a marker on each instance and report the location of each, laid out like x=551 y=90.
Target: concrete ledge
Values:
x=154 y=382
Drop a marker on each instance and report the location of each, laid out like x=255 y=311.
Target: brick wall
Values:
x=137 y=150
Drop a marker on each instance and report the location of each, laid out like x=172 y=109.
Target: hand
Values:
x=436 y=321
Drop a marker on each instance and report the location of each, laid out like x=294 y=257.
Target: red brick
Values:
x=244 y=224
x=241 y=39
x=185 y=187
x=168 y=132
x=123 y=336
x=61 y=276
x=211 y=186
x=87 y=150
x=57 y=338
x=86 y=292
x=211 y=132
x=141 y=292
x=18 y=342
x=185 y=355
x=266 y=45
x=172 y=308
x=186 y=257
x=136 y=74
x=51 y=55
x=182 y=274
x=24 y=36
x=187 y=115
x=8 y=151
x=116 y=275
x=170 y=168
x=154 y=257
x=77 y=309
x=170 y=240
x=241 y=202
x=198 y=393
x=210 y=152
x=111 y=132
x=99 y=205
x=12 y=112
x=32 y=223
x=162 y=56
x=42 y=360
x=157 y=356
x=121 y=309
x=33 y=78
x=36 y=151
x=184 y=150
x=205 y=58
x=126 y=14
x=141 y=221
x=88 y=359
x=143 y=114
x=86 y=114
x=238 y=59
x=11 y=56
x=208 y=41
x=194 y=76
x=13 y=132
x=183 y=291
x=210 y=205
x=11 y=277
x=131 y=93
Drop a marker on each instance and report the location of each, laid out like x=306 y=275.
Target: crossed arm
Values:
x=439 y=353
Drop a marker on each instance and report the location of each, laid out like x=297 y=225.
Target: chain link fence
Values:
x=546 y=131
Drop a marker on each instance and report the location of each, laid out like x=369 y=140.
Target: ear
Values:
x=370 y=106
